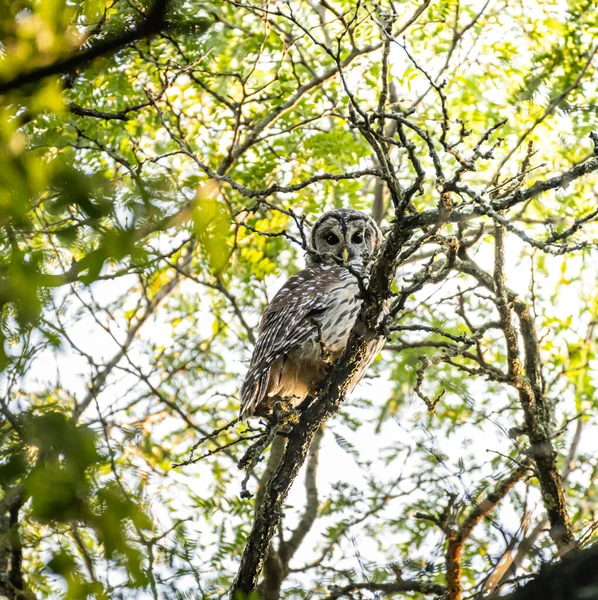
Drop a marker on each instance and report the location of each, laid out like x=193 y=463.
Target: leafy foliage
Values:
x=153 y=199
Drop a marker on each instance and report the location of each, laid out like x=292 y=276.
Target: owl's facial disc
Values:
x=344 y=236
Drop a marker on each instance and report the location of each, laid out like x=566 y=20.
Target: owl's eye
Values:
x=357 y=238
x=332 y=239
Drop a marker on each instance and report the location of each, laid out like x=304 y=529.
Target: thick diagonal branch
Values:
x=276 y=567
x=330 y=396
x=527 y=380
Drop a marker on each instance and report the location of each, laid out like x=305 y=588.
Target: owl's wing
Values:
x=286 y=324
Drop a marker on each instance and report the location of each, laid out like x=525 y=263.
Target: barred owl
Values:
x=307 y=324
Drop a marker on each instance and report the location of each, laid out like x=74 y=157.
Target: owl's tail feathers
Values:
x=253 y=392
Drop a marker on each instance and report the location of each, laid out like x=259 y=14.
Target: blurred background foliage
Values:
x=131 y=282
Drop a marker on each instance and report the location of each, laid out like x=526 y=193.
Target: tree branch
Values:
x=527 y=382
x=575 y=577
x=153 y=23
x=331 y=394
x=388 y=589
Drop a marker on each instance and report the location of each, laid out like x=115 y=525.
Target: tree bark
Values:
x=576 y=577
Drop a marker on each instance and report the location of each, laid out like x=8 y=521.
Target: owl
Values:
x=306 y=326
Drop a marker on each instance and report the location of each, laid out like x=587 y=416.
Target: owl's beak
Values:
x=345 y=254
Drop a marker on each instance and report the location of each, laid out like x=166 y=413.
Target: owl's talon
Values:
x=286 y=415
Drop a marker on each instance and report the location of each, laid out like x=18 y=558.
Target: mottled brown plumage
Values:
x=307 y=325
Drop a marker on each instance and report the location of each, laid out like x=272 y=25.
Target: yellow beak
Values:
x=345 y=254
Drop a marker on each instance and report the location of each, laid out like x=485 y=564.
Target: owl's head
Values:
x=344 y=235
